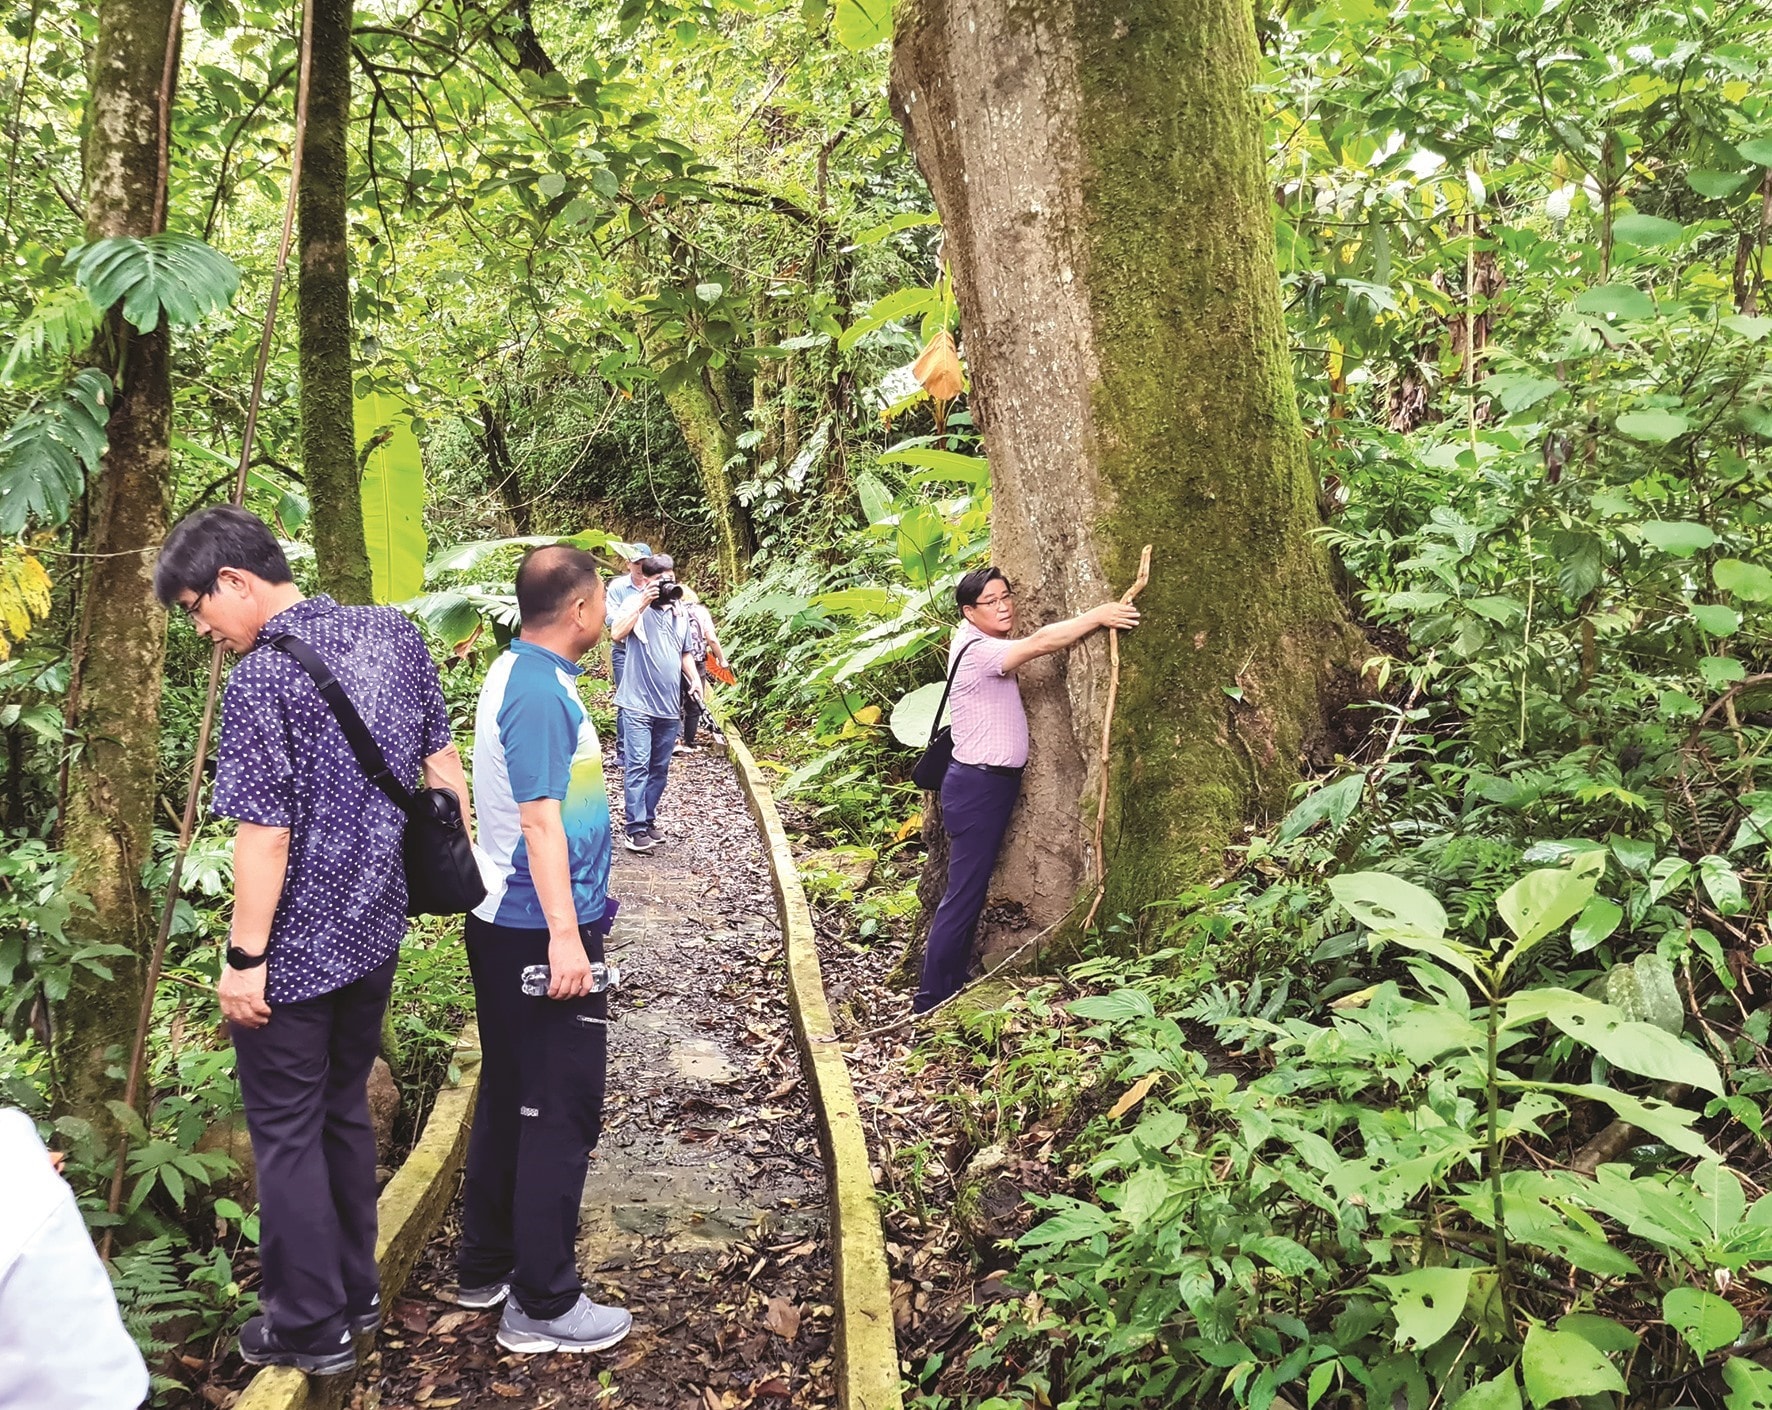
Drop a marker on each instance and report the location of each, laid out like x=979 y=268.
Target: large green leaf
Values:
x=47 y=454
x=1748 y=581
x=914 y=715
x=1655 y=426
x=1750 y=1385
x=1557 y=1365
x=176 y=277
x=1427 y=1302
x=465 y=557
x=1502 y=1393
x=393 y=490
x=861 y=24
x=1678 y=538
x=905 y=303
x=1388 y=904
x=920 y=537
x=941 y=465
x=1542 y=900
x=1632 y=1045
x=1619 y=300
x=1706 y=1321
x=1647 y=229
x=60 y=326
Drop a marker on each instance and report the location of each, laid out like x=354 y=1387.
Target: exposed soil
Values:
x=704 y=1208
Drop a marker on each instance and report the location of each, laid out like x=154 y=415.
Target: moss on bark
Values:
x=323 y=300
x=118 y=652
x=1100 y=176
x=713 y=441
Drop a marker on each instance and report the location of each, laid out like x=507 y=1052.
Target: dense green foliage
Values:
x=1450 y=1088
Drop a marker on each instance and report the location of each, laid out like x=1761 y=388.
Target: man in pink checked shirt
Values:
x=990 y=750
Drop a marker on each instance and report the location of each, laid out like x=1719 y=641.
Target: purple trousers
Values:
x=975 y=808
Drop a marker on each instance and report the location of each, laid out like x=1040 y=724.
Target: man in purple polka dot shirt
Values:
x=319 y=909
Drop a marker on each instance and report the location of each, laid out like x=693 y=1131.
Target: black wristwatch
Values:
x=240 y=959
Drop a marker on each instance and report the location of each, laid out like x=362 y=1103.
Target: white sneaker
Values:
x=585 y=1326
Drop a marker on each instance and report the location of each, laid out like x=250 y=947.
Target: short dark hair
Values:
x=971 y=587
x=207 y=540
x=656 y=564
x=549 y=577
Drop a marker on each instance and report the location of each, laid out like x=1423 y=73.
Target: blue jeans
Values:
x=975 y=808
x=646 y=743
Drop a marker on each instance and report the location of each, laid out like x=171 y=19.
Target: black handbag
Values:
x=442 y=876
x=932 y=767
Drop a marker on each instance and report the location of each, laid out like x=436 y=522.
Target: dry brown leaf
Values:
x=1134 y=1094
x=782 y=1318
x=711 y=1400
x=449 y=1321
x=506 y=1390
x=775 y=1385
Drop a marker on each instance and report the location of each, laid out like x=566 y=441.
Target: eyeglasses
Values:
x=994 y=602
x=190 y=608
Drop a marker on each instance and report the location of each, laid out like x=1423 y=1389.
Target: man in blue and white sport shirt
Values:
x=538 y=779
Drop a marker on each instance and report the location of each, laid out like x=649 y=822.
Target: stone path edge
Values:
x=409 y=1210
x=866 y=1345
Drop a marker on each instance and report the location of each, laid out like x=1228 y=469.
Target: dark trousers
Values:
x=693 y=712
x=617 y=659
x=539 y=1115
x=975 y=808
x=304 y=1077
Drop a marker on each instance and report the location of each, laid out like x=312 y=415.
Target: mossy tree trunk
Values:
x=1099 y=173
x=323 y=302
x=119 y=647
x=713 y=441
x=706 y=413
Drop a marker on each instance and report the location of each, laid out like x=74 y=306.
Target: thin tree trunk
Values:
x=323 y=302
x=118 y=652
x=501 y=474
x=1099 y=173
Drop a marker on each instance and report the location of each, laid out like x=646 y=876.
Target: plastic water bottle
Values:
x=536 y=978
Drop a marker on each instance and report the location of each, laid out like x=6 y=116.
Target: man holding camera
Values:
x=655 y=636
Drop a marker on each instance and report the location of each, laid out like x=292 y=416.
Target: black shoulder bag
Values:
x=442 y=877
x=932 y=768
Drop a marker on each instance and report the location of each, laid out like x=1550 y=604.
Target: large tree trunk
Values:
x=1099 y=173
x=113 y=705
x=328 y=434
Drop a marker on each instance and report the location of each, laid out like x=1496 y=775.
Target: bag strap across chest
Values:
x=941 y=709
x=374 y=763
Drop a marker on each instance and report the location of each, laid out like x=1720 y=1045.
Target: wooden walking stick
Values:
x=1107 y=734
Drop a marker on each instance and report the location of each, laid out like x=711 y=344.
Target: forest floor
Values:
x=704 y=1208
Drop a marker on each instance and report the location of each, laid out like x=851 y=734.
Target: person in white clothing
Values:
x=62 y=1341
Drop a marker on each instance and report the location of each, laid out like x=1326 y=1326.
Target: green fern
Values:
x=62 y=325
x=175 y=276
x=150 y=1290
x=46 y=455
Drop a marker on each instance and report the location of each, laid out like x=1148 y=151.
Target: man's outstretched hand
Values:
x=1122 y=616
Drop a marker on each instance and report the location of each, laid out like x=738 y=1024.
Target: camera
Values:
x=669 y=590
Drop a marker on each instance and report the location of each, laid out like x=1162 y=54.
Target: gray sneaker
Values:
x=586 y=1326
x=489 y=1296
